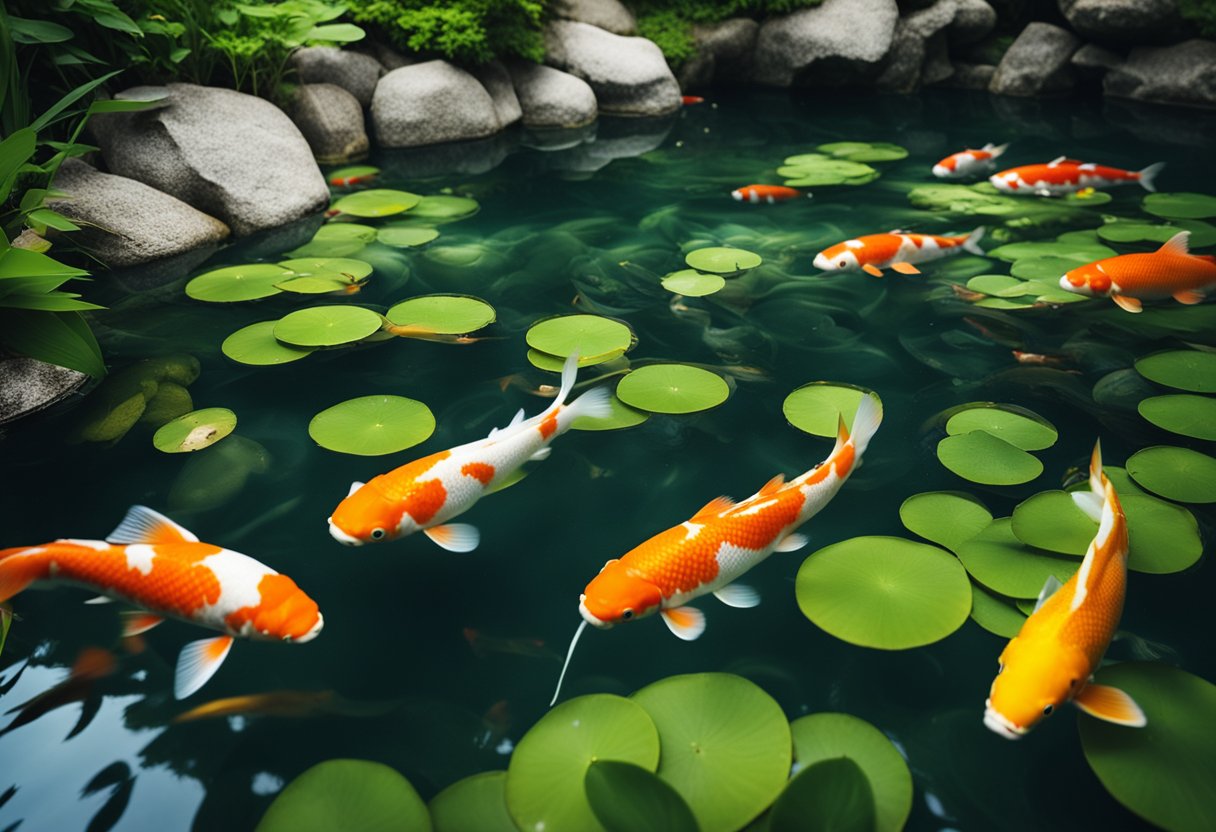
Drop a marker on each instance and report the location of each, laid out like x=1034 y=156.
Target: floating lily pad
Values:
x=721 y=260
x=1082 y=251
x=593 y=337
x=948 y=518
x=443 y=314
x=884 y=592
x=352 y=174
x=996 y=284
x=828 y=736
x=1182 y=205
x=194 y=431
x=406 y=236
x=545 y=779
x=1019 y=427
x=553 y=364
x=237 y=283
x=378 y=202
x=693 y=283
x=1181 y=369
x=994 y=614
x=1163 y=771
x=347 y=794
x=1175 y=473
x=1184 y=414
x=1136 y=232
x=316 y=285
x=864 y=151
x=442 y=206
x=628 y=798
x=328 y=266
x=1051 y=520
x=816 y=408
x=998 y=560
x=256 y=345
x=474 y=804
x=327 y=326
x=343 y=232
x=372 y=425
x=726 y=745
x=622 y=416
x=829 y=796
x=672 y=388
x=1044 y=269
x=980 y=457
x=818 y=170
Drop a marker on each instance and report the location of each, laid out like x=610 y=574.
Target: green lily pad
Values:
x=828 y=736
x=622 y=416
x=378 y=202
x=347 y=794
x=1190 y=370
x=1019 y=427
x=884 y=592
x=474 y=804
x=948 y=518
x=1051 y=520
x=316 y=285
x=817 y=170
x=256 y=345
x=994 y=614
x=591 y=336
x=372 y=425
x=1044 y=269
x=628 y=798
x=443 y=314
x=693 y=283
x=864 y=151
x=1163 y=771
x=726 y=745
x=1188 y=206
x=350 y=175
x=406 y=236
x=327 y=326
x=1081 y=252
x=194 y=431
x=445 y=207
x=328 y=266
x=237 y=283
x=545 y=779
x=1184 y=414
x=998 y=285
x=553 y=364
x=816 y=408
x=980 y=457
x=998 y=560
x=1175 y=473
x=672 y=388
x=334 y=232
x=829 y=796
x=721 y=260
x=1136 y=232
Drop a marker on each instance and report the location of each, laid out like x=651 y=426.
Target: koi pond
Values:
x=876 y=642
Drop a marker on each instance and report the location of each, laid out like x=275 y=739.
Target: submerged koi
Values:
x=92 y=664
x=969 y=162
x=765 y=193
x=1063 y=176
x=896 y=251
x=347 y=181
x=287 y=703
x=1128 y=279
x=688 y=100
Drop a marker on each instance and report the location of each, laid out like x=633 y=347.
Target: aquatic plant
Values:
x=669 y=23
x=466 y=31
x=595 y=338
x=194 y=431
x=672 y=388
x=372 y=425
x=347 y=794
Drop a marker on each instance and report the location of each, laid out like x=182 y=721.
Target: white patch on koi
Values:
x=854 y=244
x=95 y=545
x=755 y=509
x=238 y=576
x=139 y=556
x=693 y=529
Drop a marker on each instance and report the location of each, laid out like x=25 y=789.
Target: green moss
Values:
x=468 y=31
x=1200 y=12
x=669 y=22
x=671 y=33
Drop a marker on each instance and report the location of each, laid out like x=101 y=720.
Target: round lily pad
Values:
x=474 y=804
x=980 y=457
x=1182 y=205
x=1190 y=370
x=948 y=518
x=406 y=236
x=378 y=202
x=237 y=283
x=816 y=408
x=352 y=174
x=721 y=260
x=1019 y=427
x=998 y=560
x=1081 y=251
x=1044 y=269
x=256 y=345
x=545 y=779
x=1175 y=473
x=999 y=285
x=347 y=794
x=864 y=151
x=1162 y=537
x=372 y=425
x=443 y=206
x=726 y=745
x=884 y=592
x=622 y=416
x=1184 y=414
x=591 y=336
x=326 y=266
x=629 y=798
x=1051 y=520
x=827 y=736
x=693 y=283
x=195 y=430
x=1136 y=232
x=334 y=232
x=1163 y=771
x=317 y=285
x=327 y=326
x=829 y=796
x=672 y=388
x=996 y=615
x=443 y=314
x=816 y=170
x=554 y=364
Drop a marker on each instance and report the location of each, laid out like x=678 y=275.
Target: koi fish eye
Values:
x=844 y=264
x=627 y=613
x=378 y=534
x=1047 y=711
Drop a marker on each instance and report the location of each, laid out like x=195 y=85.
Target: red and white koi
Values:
x=425 y=494
x=898 y=251
x=969 y=162
x=689 y=100
x=1063 y=176
x=756 y=194
x=156 y=565
x=1169 y=272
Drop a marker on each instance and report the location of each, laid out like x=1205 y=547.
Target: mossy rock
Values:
x=171 y=400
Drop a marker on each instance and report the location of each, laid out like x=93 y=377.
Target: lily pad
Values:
x=980 y=457
x=1163 y=771
x=194 y=431
x=317 y=285
x=347 y=794
x=948 y=518
x=1184 y=414
x=622 y=416
x=884 y=592
x=256 y=345
x=994 y=614
x=344 y=231
x=1181 y=205
x=1175 y=473
x=818 y=170
x=999 y=285
x=591 y=336
x=829 y=796
x=443 y=314
x=327 y=326
x=553 y=364
x=443 y=206
x=721 y=260
x=1051 y=520
x=237 y=283
x=327 y=266
x=378 y=202
x=474 y=804
x=864 y=151
x=1082 y=251
x=352 y=175
x=998 y=560
x=816 y=408
x=1044 y=269
x=1136 y=232
x=726 y=745
x=1190 y=370
x=545 y=779
x=1019 y=427
x=672 y=388
x=628 y=798
x=406 y=236
x=693 y=283
x=372 y=425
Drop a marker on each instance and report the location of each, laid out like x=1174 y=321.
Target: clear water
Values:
x=554 y=232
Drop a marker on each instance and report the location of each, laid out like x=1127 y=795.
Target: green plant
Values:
x=1200 y=12
x=669 y=22
x=470 y=31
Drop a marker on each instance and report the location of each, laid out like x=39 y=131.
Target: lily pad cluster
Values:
x=989 y=443
x=709 y=268
x=839 y=163
x=1191 y=413
x=149 y=392
x=596 y=339
x=817 y=407
x=307 y=276
x=983 y=200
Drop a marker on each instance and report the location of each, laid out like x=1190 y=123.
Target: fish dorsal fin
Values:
x=1180 y=243
x=354 y=486
x=519 y=417
x=143 y=525
x=772 y=486
x=714 y=507
x=1056 y=161
x=1050 y=587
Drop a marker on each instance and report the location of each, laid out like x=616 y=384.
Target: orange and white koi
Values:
x=898 y=251
x=1128 y=279
x=969 y=162
x=347 y=181
x=1063 y=176
x=1052 y=658
x=708 y=553
x=756 y=194
x=425 y=494
x=156 y=565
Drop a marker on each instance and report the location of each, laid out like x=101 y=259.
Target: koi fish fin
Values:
x=972 y=243
x=1190 y=297
x=569 y=374
x=905 y=268
x=739 y=596
x=792 y=542
x=143 y=525
x=1061 y=160
x=136 y=622
x=1111 y=705
x=686 y=622
x=100 y=599
x=594 y=404
x=1127 y=304
x=772 y=486
x=714 y=507
x=1090 y=503
x=865 y=425
x=1180 y=243
x=1148 y=176
x=198 y=662
x=519 y=417
x=1050 y=587
x=1043 y=192
x=19 y=570
x=870 y=268
x=995 y=149
x=455 y=537
x=541 y=455
x=354 y=486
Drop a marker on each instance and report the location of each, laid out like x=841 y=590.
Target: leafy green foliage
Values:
x=671 y=33
x=669 y=22
x=1200 y=12
x=471 y=31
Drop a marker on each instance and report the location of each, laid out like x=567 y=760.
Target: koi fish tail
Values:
x=569 y=375
x=594 y=404
x=972 y=243
x=865 y=425
x=996 y=149
x=1093 y=501
x=19 y=568
x=1148 y=176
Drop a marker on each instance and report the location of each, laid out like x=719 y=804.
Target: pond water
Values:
x=441 y=661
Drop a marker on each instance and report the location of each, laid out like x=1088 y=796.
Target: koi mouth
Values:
x=589 y=617
x=341 y=536
x=1000 y=725
x=311 y=634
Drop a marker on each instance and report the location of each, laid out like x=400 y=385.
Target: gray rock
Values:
x=27 y=385
x=388 y=57
x=971 y=76
x=1184 y=74
x=128 y=222
x=1092 y=61
x=550 y=97
x=497 y=81
x=725 y=53
x=937 y=67
x=1037 y=63
x=609 y=15
x=352 y=71
x=910 y=48
x=429 y=103
x=331 y=120
x=234 y=156
x=630 y=77
x=973 y=21
x=696 y=73
x=840 y=41
x=1125 y=21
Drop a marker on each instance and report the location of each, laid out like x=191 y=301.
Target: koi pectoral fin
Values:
x=905 y=268
x=686 y=622
x=1111 y=705
x=738 y=596
x=1190 y=298
x=871 y=269
x=455 y=537
x=198 y=662
x=792 y=542
x=1128 y=304
x=136 y=622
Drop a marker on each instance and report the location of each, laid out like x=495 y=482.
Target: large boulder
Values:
x=234 y=156
x=429 y=103
x=497 y=81
x=1184 y=74
x=838 y=42
x=27 y=385
x=971 y=76
x=1092 y=62
x=551 y=98
x=609 y=15
x=910 y=47
x=630 y=76
x=725 y=53
x=1124 y=21
x=1037 y=63
x=352 y=71
x=331 y=120
x=973 y=21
